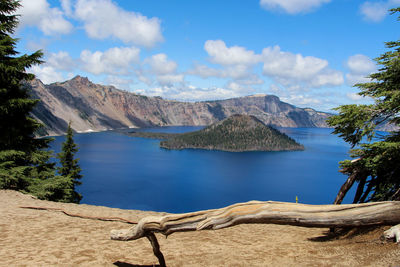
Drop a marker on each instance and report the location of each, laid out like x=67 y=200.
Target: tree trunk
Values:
x=348 y=215
x=348 y=184
x=345 y=188
x=360 y=190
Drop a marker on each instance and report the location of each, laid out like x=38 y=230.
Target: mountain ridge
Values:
x=95 y=107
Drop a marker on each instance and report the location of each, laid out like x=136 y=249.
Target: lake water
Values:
x=134 y=173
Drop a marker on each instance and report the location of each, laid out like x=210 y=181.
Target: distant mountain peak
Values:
x=80 y=80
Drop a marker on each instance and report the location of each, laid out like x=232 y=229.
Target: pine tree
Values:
x=69 y=166
x=18 y=146
x=24 y=160
x=376 y=167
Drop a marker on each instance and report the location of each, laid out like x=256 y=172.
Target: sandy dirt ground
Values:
x=49 y=238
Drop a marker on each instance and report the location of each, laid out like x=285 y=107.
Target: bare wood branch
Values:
x=109 y=219
x=156 y=248
x=348 y=215
x=347 y=185
x=345 y=188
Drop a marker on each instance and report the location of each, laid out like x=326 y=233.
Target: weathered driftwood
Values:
x=393 y=233
x=349 y=215
x=375 y=213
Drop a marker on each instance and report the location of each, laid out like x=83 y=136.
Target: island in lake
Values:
x=237 y=133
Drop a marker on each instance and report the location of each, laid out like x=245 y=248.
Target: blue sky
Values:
x=310 y=53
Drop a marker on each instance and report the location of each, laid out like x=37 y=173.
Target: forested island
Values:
x=237 y=133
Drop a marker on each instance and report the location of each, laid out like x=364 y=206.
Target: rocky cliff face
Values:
x=93 y=107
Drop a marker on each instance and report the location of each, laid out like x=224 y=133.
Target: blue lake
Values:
x=134 y=173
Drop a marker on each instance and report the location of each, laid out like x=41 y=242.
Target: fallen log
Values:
x=269 y=212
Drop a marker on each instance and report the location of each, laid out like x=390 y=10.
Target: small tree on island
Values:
x=69 y=165
x=377 y=164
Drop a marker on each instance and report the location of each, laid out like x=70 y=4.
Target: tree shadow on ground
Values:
x=344 y=233
x=126 y=264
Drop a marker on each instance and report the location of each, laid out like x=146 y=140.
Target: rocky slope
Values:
x=94 y=107
x=237 y=133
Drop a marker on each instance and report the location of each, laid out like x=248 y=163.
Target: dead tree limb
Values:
x=156 y=248
x=269 y=212
x=108 y=219
x=348 y=184
x=348 y=215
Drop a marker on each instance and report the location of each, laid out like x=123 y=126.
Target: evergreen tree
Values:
x=24 y=159
x=69 y=166
x=377 y=164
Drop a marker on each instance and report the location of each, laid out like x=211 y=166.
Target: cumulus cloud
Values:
x=234 y=71
x=39 y=13
x=103 y=19
x=240 y=88
x=236 y=55
x=235 y=63
x=160 y=64
x=376 y=11
x=324 y=100
x=117 y=60
x=295 y=70
x=119 y=82
x=360 y=67
x=169 y=79
x=67 y=7
x=164 y=70
x=61 y=61
x=193 y=93
x=55 y=64
x=205 y=72
x=47 y=74
x=292 y=6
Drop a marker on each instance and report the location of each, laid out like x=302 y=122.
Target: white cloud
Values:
x=169 y=79
x=292 y=6
x=327 y=77
x=361 y=64
x=61 y=61
x=67 y=7
x=240 y=88
x=236 y=55
x=39 y=13
x=46 y=74
x=118 y=82
x=162 y=69
x=160 y=64
x=376 y=11
x=193 y=93
x=232 y=71
x=360 y=67
x=117 y=60
x=354 y=96
x=295 y=70
x=302 y=100
x=205 y=71
x=103 y=19
x=236 y=63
